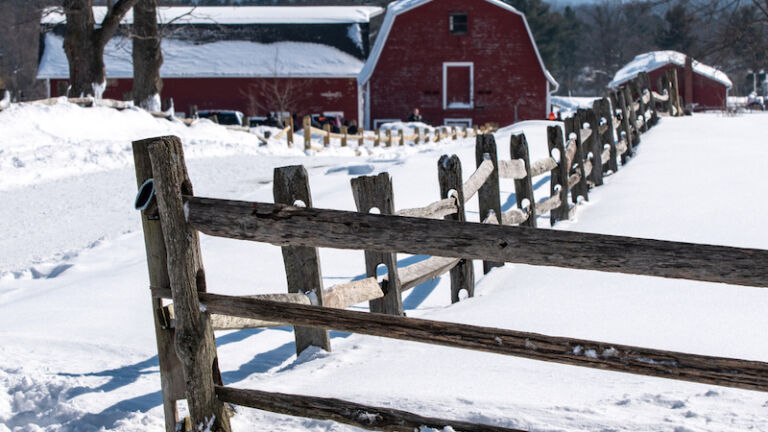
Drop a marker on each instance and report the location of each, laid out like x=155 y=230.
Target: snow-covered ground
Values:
x=77 y=349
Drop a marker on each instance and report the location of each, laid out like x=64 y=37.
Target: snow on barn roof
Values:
x=401 y=6
x=242 y=15
x=217 y=59
x=653 y=60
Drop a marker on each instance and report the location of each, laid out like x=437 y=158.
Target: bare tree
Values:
x=147 y=56
x=84 y=44
x=275 y=94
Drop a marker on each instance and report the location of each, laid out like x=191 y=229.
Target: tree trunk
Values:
x=84 y=44
x=86 y=66
x=147 y=56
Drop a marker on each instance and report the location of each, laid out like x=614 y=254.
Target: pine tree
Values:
x=677 y=31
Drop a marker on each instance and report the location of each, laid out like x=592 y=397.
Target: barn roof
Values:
x=183 y=59
x=401 y=6
x=653 y=60
x=241 y=15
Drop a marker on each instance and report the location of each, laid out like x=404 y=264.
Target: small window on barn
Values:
x=458 y=23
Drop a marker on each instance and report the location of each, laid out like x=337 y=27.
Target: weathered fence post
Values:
x=593 y=145
x=488 y=196
x=376 y=192
x=389 y=137
x=449 y=176
x=573 y=126
x=327 y=135
x=171 y=371
x=344 y=136
x=401 y=137
x=418 y=136
x=455 y=133
x=635 y=131
x=626 y=128
x=636 y=86
x=518 y=148
x=675 y=93
x=307 y=127
x=302 y=264
x=603 y=109
x=559 y=175
x=646 y=80
x=377 y=138
x=289 y=134
x=361 y=137
x=195 y=344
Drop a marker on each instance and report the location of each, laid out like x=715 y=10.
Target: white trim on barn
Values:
x=471 y=104
x=464 y=122
x=379 y=122
x=401 y=6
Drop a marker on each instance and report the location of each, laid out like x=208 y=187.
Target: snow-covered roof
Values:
x=401 y=6
x=653 y=60
x=243 y=15
x=217 y=59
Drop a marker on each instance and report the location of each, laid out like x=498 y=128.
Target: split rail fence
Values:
x=172 y=216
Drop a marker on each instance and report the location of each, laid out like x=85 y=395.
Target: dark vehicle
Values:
x=319 y=121
x=223 y=117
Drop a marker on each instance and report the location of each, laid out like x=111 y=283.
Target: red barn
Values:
x=458 y=61
x=302 y=60
x=701 y=86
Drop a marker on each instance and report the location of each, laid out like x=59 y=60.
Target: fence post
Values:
x=370 y=192
x=289 y=135
x=559 y=175
x=195 y=342
x=646 y=80
x=327 y=135
x=418 y=135
x=377 y=138
x=171 y=371
x=573 y=126
x=636 y=85
x=401 y=136
x=488 y=197
x=389 y=137
x=455 y=133
x=593 y=145
x=302 y=264
x=625 y=126
x=361 y=139
x=307 y=125
x=344 y=136
x=449 y=176
x=632 y=117
x=518 y=148
x=603 y=109
x=675 y=93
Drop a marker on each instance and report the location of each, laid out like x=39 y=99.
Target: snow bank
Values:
x=653 y=60
x=42 y=142
x=216 y=59
x=568 y=105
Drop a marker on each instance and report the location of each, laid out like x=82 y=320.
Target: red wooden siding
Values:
x=507 y=72
x=707 y=93
x=312 y=95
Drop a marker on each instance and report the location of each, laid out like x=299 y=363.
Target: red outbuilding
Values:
x=457 y=61
x=297 y=60
x=701 y=86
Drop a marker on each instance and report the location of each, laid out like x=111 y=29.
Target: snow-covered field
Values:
x=77 y=349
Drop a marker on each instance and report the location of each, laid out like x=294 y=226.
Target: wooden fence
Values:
x=596 y=141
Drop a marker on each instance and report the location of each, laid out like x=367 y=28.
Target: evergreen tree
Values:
x=545 y=26
x=677 y=32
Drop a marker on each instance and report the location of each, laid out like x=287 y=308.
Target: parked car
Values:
x=223 y=117
x=319 y=121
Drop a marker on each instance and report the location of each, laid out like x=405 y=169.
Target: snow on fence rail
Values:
x=593 y=142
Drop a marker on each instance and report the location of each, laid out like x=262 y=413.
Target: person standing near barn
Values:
x=415 y=116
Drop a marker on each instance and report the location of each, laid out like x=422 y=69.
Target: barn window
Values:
x=458 y=23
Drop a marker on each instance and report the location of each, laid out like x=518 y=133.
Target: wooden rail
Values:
x=744 y=374
x=296 y=226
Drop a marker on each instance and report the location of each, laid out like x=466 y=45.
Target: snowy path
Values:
x=78 y=350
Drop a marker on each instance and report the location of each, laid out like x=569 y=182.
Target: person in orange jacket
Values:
x=551 y=116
